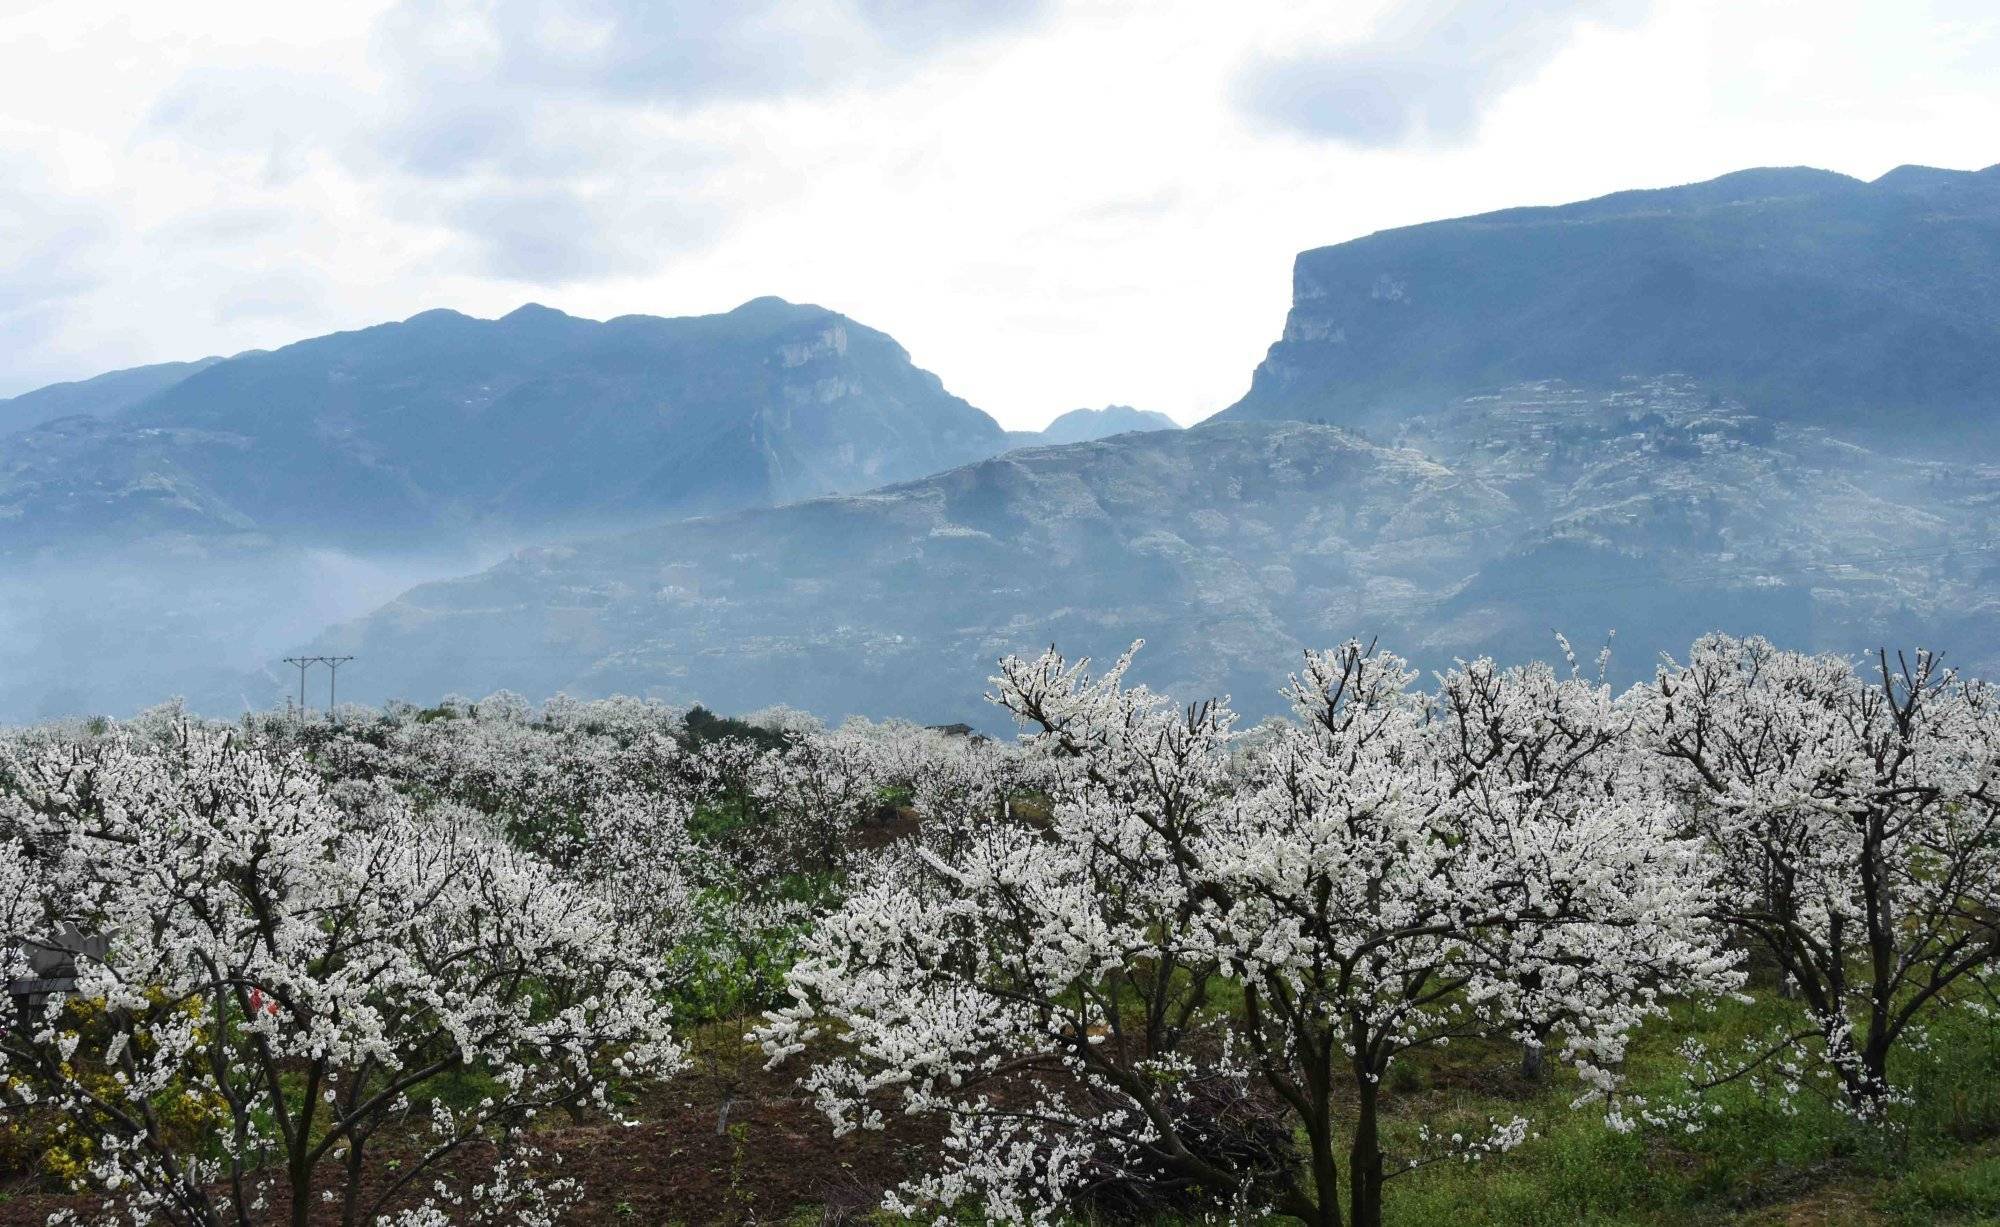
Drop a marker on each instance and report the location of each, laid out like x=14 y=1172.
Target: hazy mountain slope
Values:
x=115 y=633
x=443 y=426
x=1805 y=294
x=1660 y=510
x=100 y=396
x=1232 y=545
x=1225 y=546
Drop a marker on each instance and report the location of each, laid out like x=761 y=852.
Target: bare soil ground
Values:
x=726 y=1142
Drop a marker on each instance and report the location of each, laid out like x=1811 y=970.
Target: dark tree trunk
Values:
x=350 y=1202
x=300 y=1171
x=1867 y=1084
x=1364 y=1163
x=1324 y=1210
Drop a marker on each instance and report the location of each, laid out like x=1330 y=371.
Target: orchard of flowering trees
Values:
x=408 y=938
x=1198 y=971
x=1142 y=961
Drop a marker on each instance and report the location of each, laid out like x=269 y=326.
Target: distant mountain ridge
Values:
x=1805 y=294
x=1084 y=425
x=99 y=396
x=1767 y=403
x=899 y=600
x=1658 y=511
x=444 y=426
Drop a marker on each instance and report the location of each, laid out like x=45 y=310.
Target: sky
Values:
x=1049 y=204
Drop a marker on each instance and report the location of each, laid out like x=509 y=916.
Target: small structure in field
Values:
x=51 y=964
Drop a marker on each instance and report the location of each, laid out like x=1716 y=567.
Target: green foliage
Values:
x=1755 y=1162
x=1948 y=1191
x=719 y=819
x=704 y=726
x=728 y=974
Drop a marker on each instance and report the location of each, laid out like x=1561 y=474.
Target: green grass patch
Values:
x=1755 y=1162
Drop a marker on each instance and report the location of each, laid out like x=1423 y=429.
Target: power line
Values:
x=332 y=663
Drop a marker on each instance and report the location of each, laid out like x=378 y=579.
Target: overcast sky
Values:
x=1049 y=204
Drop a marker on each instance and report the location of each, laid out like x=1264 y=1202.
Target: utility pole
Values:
x=332 y=664
x=303 y=663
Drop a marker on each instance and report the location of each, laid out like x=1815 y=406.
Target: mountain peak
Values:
x=528 y=312
x=533 y=424
x=771 y=306
x=1081 y=425
x=1912 y=177
x=1772 y=181
x=545 y=323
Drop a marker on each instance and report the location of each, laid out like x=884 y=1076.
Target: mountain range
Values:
x=1655 y=512
x=446 y=427
x=1084 y=425
x=1766 y=402
x=100 y=396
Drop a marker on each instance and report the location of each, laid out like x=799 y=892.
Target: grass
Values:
x=1754 y=1164
x=1961 y=1189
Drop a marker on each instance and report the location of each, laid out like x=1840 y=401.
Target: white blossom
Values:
x=281 y=975
x=1388 y=870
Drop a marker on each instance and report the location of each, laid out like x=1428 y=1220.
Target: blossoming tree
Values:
x=1120 y=993
x=1855 y=818
x=288 y=984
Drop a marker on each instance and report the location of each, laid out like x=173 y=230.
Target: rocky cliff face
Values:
x=1872 y=308
x=1657 y=511
x=445 y=427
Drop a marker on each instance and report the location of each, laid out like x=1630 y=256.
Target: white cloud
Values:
x=53 y=250
x=1053 y=208
x=691 y=53
x=1427 y=75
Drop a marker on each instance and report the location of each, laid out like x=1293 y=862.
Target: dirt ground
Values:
x=724 y=1143
x=770 y=1156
